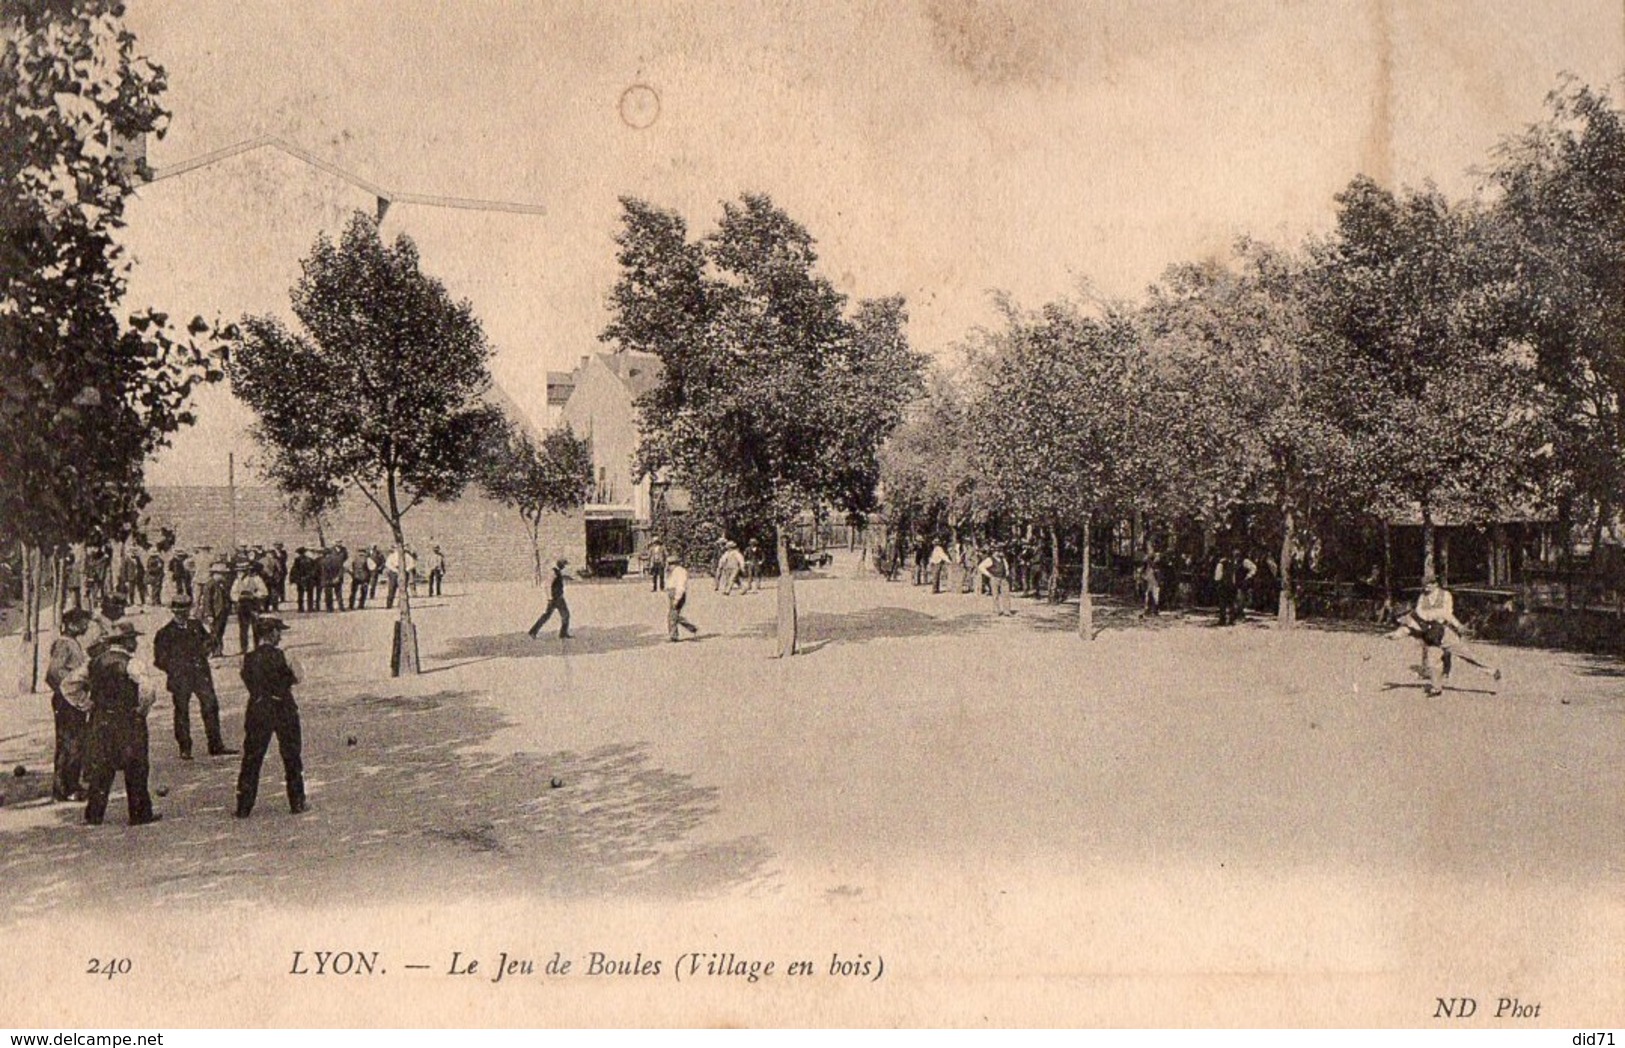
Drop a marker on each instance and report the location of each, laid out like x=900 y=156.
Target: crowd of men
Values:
x=101 y=692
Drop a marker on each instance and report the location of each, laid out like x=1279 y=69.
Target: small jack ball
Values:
x=350 y=741
x=162 y=791
x=556 y=783
x=19 y=771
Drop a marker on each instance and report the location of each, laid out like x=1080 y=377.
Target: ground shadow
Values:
x=404 y=806
x=822 y=629
x=1599 y=666
x=583 y=640
x=1108 y=615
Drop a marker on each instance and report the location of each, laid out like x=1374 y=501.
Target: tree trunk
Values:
x=787 y=596
x=59 y=585
x=1427 y=540
x=33 y=569
x=1286 y=615
x=1054 y=565
x=537 y=577
x=29 y=584
x=1387 y=565
x=403 y=660
x=1086 y=607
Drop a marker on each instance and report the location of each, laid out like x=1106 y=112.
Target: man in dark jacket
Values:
x=332 y=577
x=214 y=606
x=555 y=602
x=270 y=676
x=121 y=693
x=180 y=650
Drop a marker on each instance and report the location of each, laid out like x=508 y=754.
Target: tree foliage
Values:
x=84 y=398
x=773 y=397
x=1437 y=391
x=1561 y=265
x=553 y=476
x=382 y=391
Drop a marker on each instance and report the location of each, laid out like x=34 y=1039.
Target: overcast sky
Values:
x=934 y=149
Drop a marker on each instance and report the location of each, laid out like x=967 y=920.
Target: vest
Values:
x=111 y=689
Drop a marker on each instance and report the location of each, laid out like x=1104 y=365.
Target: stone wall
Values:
x=483 y=541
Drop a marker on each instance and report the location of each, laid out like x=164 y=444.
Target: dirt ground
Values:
x=1173 y=825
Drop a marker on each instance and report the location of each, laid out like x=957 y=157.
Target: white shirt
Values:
x=677 y=580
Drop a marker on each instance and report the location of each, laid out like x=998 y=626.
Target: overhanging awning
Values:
x=604 y=511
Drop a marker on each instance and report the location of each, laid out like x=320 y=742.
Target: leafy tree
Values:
x=1259 y=379
x=1059 y=431
x=772 y=399
x=1561 y=214
x=84 y=399
x=554 y=476
x=925 y=465
x=381 y=393
x=1438 y=396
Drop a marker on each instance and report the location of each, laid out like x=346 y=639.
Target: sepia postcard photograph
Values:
x=935 y=513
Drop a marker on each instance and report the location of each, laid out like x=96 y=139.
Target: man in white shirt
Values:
x=677 y=595
x=937 y=565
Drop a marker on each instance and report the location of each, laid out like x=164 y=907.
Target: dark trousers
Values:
x=435 y=579
x=217 y=631
x=358 y=593
x=155 y=590
x=556 y=604
x=118 y=743
x=657 y=572
x=208 y=705
x=674 y=617
x=305 y=594
x=265 y=718
x=333 y=595
x=1229 y=607
x=72 y=725
x=246 y=610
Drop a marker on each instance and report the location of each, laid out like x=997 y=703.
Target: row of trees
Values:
x=382 y=391
x=1430 y=355
x=85 y=396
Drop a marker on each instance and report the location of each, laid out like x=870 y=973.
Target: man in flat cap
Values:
x=270 y=675
x=121 y=693
x=180 y=649
x=555 y=602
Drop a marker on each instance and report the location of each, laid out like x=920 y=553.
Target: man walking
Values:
x=677 y=596
x=121 y=693
x=270 y=676
x=731 y=563
x=555 y=602
x=180 y=650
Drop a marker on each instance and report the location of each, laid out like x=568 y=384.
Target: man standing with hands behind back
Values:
x=180 y=650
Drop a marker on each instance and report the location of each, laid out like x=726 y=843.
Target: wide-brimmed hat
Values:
x=78 y=618
x=269 y=622
x=181 y=602
x=116 y=633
